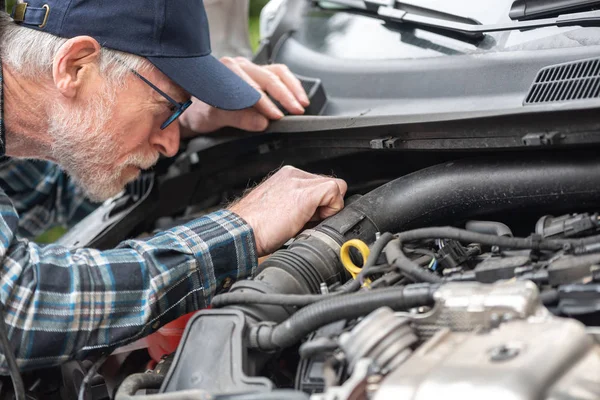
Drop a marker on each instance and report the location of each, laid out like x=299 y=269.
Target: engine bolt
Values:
x=507 y=317
x=503 y=353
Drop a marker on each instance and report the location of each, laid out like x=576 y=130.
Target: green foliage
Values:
x=253 y=24
x=9 y=5
x=256 y=6
x=51 y=235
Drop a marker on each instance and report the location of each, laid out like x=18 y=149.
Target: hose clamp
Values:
x=259 y=336
x=323 y=237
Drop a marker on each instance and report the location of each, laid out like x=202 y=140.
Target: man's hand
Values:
x=281 y=206
x=275 y=79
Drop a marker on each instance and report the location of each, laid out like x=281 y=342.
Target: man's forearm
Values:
x=62 y=304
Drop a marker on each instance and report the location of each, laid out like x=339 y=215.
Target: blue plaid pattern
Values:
x=43 y=195
x=62 y=303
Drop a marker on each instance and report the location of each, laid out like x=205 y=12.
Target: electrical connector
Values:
x=565 y=226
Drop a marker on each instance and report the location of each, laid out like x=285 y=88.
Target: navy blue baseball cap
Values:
x=172 y=34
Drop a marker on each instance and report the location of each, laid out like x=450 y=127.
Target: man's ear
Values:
x=75 y=62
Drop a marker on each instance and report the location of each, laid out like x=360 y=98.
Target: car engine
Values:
x=409 y=293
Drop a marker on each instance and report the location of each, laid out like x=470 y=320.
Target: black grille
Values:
x=576 y=80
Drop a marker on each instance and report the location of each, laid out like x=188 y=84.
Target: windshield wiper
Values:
x=391 y=10
x=532 y=9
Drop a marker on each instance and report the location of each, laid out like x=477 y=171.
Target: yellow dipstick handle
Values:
x=362 y=248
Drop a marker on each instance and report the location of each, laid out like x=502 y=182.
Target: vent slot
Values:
x=578 y=80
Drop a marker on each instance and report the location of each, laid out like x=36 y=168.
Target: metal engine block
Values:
x=478 y=341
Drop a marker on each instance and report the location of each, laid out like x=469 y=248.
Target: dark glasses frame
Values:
x=180 y=107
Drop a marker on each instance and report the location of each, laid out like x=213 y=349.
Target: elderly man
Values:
x=102 y=89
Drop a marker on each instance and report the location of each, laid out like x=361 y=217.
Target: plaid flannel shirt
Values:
x=61 y=303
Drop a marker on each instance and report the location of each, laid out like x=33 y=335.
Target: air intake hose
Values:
x=472 y=187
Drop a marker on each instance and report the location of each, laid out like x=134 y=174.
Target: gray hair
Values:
x=31 y=53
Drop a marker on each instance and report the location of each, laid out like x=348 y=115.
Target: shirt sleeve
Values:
x=43 y=195
x=62 y=304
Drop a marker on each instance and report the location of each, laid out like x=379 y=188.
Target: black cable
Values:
x=346 y=306
x=424 y=252
x=90 y=374
x=11 y=362
x=378 y=269
x=493 y=240
x=549 y=297
x=317 y=346
x=408 y=267
x=393 y=278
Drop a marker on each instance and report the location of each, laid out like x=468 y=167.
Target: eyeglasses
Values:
x=179 y=107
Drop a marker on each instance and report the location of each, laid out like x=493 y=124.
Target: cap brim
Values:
x=209 y=80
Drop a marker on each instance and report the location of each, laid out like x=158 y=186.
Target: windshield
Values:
x=346 y=35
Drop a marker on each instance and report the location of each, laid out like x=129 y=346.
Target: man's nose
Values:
x=166 y=141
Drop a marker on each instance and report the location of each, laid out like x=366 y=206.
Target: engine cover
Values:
x=549 y=358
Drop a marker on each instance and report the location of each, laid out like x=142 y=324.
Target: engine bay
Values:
x=384 y=301
x=463 y=274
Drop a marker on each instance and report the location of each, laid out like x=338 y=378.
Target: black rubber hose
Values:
x=293 y=300
x=470 y=187
x=282 y=394
x=9 y=356
x=393 y=278
x=346 y=306
x=489 y=228
x=379 y=269
x=447 y=232
x=549 y=297
x=317 y=346
x=136 y=382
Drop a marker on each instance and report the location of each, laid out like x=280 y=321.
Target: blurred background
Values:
x=254 y=12
x=255 y=7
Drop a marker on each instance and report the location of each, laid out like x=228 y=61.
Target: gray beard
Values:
x=88 y=150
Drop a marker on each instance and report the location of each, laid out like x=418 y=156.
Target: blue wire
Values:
x=433 y=266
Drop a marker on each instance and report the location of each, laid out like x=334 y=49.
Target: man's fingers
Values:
x=264 y=105
x=331 y=198
x=248 y=120
x=272 y=84
x=290 y=80
x=342 y=185
x=311 y=179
